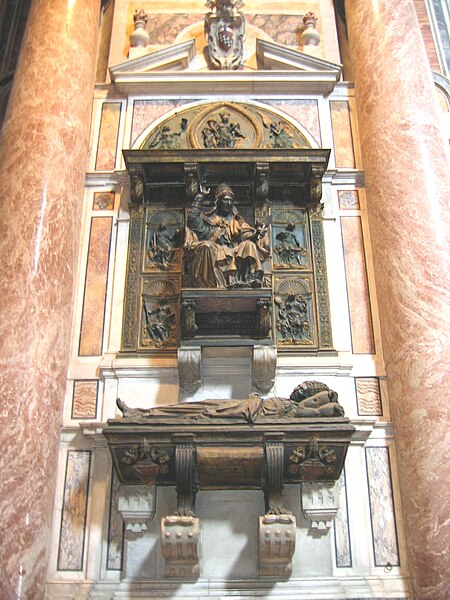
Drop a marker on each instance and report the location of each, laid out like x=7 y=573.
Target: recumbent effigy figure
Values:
x=310 y=399
x=224 y=251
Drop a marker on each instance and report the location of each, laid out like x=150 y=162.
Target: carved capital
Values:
x=320 y=503
x=179 y=545
x=276 y=545
x=137 y=506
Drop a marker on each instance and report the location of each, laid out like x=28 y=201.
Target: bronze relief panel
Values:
x=295 y=321
x=290 y=240
x=163 y=240
x=159 y=313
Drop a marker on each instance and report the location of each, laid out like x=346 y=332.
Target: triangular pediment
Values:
x=173 y=70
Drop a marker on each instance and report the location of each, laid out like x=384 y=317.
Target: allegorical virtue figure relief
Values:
x=224 y=251
x=310 y=399
x=288 y=249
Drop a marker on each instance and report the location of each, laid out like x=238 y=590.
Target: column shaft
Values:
x=43 y=151
x=408 y=184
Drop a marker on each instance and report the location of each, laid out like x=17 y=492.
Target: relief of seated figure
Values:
x=308 y=400
x=223 y=250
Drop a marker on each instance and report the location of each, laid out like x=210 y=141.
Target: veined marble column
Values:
x=408 y=189
x=43 y=151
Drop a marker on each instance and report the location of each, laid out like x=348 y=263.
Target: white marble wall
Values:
x=350 y=560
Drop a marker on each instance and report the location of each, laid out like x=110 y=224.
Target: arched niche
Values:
x=225 y=125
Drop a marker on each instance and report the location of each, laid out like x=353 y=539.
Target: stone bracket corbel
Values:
x=320 y=503
x=179 y=545
x=137 y=506
x=190 y=368
x=276 y=545
x=264 y=364
x=137 y=185
x=315 y=184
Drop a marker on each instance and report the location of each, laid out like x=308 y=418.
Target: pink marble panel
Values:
x=107 y=137
x=91 y=336
x=342 y=134
x=145 y=112
x=306 y=112
x=43 y=150
x=283 y=29
x=357 y=286
x=74 y=509
x=384 y=528
x=84 y=403
x=164 y=28
x=103 y=201
x=368 y=396
x=348 y=200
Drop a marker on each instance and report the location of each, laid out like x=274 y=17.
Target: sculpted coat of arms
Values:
x=225 y=31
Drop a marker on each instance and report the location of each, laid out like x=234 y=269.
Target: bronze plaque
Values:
x=230 y=467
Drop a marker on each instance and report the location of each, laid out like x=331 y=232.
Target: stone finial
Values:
x=139 y=37
x=309 y=34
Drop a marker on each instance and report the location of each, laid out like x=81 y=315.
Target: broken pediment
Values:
x=178 y=69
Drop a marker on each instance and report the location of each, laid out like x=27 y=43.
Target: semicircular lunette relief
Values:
x=225 y=125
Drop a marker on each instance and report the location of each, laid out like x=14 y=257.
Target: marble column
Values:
x=407 y=179
x=43 y=151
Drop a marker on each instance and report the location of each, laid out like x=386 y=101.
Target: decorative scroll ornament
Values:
x=225 y=30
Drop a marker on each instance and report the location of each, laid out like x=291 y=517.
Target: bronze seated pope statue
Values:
x=310 y=399
x=223 y=250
